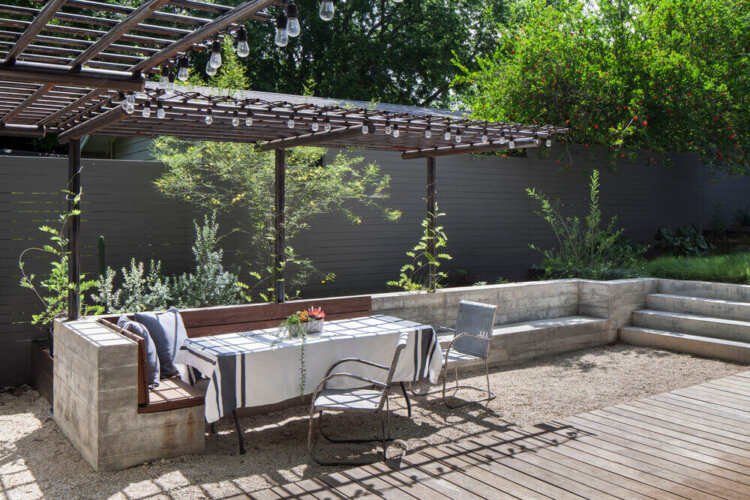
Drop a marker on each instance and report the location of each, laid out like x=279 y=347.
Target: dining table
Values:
x=264 y=367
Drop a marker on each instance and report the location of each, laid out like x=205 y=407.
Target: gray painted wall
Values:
x=490 y=221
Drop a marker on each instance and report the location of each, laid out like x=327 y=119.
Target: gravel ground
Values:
x=37 y=461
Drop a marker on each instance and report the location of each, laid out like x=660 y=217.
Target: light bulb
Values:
x=485 y=138
x=210 y=69
x=427 y=133
x=293 y=28
x=327 y=126
x=235 y=120
x=243 y=49
x=365 y=129
x=290 y=123
x=249 y=121
x=146 y=111
x=160 y=113
x=164 y=80
x=511 y=144
x=282 y=34
x=183 y=72
x=458 y=136
x=326 y=10
x=388 y=128
x=215 y=59
x=447 y=134
x=315 y=127
x=209 y=119
x=548 y=143
x=129 y=104
x=396 y=132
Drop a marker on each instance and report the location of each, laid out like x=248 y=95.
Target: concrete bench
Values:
x=514 y=343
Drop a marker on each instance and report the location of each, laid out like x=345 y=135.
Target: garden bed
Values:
x=41 y=462
x=732 y=268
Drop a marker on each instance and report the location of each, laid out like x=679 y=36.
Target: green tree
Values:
x=235 y=178
x=373 y=49
x=660 y=75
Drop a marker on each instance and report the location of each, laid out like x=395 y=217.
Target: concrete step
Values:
x=705 y=326
x=692 y=344
x=516 y=342
x=715 y=308
x=706 y=289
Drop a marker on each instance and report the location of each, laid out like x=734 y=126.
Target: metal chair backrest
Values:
x=403 y=339
x=478 y=319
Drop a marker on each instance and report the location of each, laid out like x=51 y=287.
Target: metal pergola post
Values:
x=431 y=218
x=278 y=226
x=74 y=189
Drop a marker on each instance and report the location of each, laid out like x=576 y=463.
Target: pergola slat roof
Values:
x=66 y=64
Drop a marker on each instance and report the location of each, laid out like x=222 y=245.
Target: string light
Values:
x=548 y=142
x=146 y=111
x=209 y=118
x=447 y=134
x=210 y=70
x=326 y=10
x=459 y=138
x=160 y=113
x=292 y=13
x=290 y=122
x=485 y=137
x=365 y=128
x=183 y=70
x=215 y=60
x=243 y=49
x=388 y=127
x=249 y=119
x=236 y=119
x=129 y=104
x=164 y=79
x=327 y=124
x=428 y=130
x=315 y=127
x=396 y=132
x=282 y=34
x=511 y=143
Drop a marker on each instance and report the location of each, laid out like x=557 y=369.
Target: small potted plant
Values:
x=302 y=323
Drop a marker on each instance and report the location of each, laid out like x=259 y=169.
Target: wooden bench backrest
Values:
x=217 y=320
x=227 y=319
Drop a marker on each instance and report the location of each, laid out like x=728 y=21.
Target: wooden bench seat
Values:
x=172 y=394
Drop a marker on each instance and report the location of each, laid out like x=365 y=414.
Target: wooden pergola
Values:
x=79 y=67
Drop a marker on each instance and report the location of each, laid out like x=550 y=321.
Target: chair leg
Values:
x=385 y=429
x=490 y=395
x=406 y=397
x=240 y=435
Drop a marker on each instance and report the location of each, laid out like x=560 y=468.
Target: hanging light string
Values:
x=233 y=109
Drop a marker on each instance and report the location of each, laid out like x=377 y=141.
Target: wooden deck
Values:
x=690 y=443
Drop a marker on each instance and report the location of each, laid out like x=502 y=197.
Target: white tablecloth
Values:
x=257 y=368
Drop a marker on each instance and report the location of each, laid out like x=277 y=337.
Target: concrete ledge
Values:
x=691 y=344
x=715 y=308
x=727 y=329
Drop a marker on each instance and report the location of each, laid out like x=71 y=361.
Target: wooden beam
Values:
x=36 y=26
x=73 y=105
x=114 y=34
x=74 y=189
x=114 y=115
x=465 y=149
x=20 y=130
x=27 y=102
x=315 y=137
x=203 y=33
x=30 y=72
x=278 y=226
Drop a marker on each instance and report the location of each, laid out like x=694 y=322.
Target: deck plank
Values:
x=692 y=442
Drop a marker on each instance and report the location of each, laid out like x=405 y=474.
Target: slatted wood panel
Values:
x=689 y=443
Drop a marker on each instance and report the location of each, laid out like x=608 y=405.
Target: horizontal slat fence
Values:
x=489 y=220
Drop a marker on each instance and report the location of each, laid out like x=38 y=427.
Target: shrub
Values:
x=733 y=268
x=585 y=249
x=685 y=240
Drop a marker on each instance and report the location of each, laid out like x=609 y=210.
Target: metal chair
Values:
x=373 y=399
x=471 y=343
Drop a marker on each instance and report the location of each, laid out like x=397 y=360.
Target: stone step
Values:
x=516 y=342
x=706 y=289
x=705 y=326
x=715 y=308
x=682 y=342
